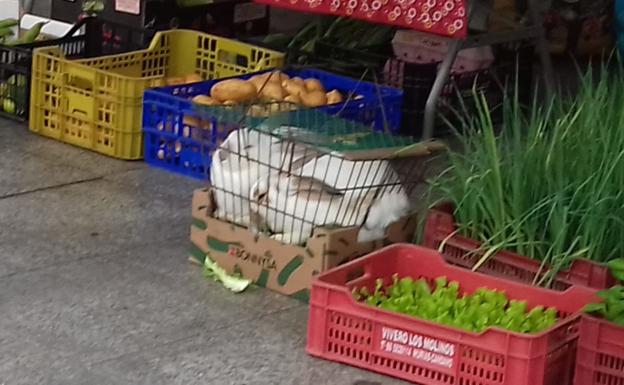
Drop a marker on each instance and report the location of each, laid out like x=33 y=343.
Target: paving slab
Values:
x=268 y=350
x=22 y=172
x=31 y=364
x=64 y=224
x=53 y=152
x=97 y=309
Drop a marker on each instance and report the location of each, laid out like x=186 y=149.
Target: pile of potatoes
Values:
x=271 y=87
x=267 y=93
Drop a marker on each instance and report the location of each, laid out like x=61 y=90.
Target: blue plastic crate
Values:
x=174 y=144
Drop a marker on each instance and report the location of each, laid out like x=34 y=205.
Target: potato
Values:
x=258 y=81
x=235 y=90
x=283 y=76
x=205 y=100
x=276 y=107
x=292 y=88
x=167 y=126
x=296 y=99
x=314 y=85
x=160 y=154
x=313 y=99
x=272 y=92
x=178 y=147
x=257 y=111
x=175 y=81
x=275 y=77
x=268 y=77
x=158 y=82
x=334 y=97
x=190 y=121
x=262 y=79
x=298 y=80
x=193 y=78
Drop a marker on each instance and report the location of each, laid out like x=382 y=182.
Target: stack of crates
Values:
x=88 y=38
x=97 y=103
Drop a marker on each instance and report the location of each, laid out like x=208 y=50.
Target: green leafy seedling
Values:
x=616 y=267
x=612 y=306
x=448 y=306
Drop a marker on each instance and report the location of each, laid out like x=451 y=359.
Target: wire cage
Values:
x=286 y=174
x=183 y=124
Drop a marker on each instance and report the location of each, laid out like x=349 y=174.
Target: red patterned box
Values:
x=441 y=17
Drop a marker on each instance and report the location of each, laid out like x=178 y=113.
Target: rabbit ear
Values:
x=301 y=157
x=295 y=155
x=313 y=186
x=221 y=155
x=259 y=189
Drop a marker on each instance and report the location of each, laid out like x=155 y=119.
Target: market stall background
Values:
x=67 y=271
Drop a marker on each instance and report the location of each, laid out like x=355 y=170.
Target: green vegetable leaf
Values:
x=616 y=267
x=441 y=283
x=447 y=305
x=235 y=284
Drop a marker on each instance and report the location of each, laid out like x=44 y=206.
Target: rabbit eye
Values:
x=247 y=147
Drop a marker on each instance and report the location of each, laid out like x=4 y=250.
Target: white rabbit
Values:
x=235 y=167
x=357 y=178
x=387 y=209
x=291 y=206
x=351 y=193
x=240 y=160
x=348 y=175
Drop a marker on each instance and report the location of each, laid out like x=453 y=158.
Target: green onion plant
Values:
x=550 y=185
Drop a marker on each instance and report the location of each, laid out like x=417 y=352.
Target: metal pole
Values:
x=541 y=45
x=442 y=77
x=438 y=85
x=26 y=7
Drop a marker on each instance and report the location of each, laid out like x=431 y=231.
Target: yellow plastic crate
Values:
x=97 y=103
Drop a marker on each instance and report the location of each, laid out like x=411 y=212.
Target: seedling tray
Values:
x=441 y=230
x=343 y=330
x=600 y=358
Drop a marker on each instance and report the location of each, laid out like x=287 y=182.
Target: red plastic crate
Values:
x=459 y=250
x=600 y=357
x=442 y=17
x=343 y=330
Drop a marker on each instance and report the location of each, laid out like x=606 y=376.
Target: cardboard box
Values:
x=287 y=269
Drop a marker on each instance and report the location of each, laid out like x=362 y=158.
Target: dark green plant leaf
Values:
x=595 y=308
